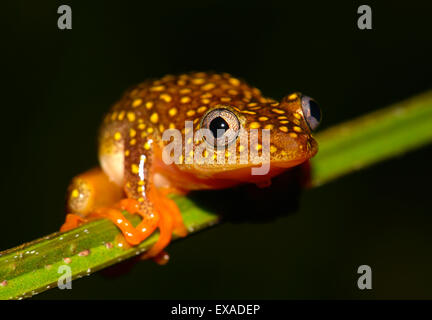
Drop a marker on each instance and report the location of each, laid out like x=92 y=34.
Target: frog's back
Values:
x=170 y=101
x=149 y=108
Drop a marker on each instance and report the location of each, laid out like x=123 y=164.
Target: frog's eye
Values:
x=223 y=126
x=311 y=112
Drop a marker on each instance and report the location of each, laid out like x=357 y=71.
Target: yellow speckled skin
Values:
x=130 y=137
x=146 y=110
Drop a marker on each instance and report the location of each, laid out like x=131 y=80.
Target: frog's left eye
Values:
x=223 y=125
x=311 y=112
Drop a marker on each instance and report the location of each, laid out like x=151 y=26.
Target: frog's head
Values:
x=283 y=137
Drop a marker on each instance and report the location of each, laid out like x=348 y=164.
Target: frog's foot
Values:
x=72 y=221
x=163 y=214
x=178 y=228
x=170 y=221
x=133 y=235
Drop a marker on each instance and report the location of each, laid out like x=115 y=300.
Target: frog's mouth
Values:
x=256 y=172
x=262 y=171
x=218 y=176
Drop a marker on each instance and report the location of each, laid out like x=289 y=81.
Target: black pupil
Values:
x=315 y=110
x=218 y=126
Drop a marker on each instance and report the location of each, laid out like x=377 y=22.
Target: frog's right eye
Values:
x=223 y=126
x=311 y=112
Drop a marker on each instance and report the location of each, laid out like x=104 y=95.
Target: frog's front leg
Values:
x=157 y=210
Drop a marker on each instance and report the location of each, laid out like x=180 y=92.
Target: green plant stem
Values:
x=372 y=138
x=33 y=267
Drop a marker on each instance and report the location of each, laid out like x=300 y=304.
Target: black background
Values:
x=57 y=85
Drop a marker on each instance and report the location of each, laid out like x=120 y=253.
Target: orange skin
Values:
x=134 y=177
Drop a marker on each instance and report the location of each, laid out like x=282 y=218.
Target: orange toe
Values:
x=132 y=235
x=165 y=234
x=72 y=221
x=161 y=259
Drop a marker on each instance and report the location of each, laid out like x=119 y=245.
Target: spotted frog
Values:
x=134 y=174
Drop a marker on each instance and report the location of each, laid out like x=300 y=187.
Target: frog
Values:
x=134 y=175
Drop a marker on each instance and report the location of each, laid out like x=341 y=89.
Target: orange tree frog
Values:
x=134 y=176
